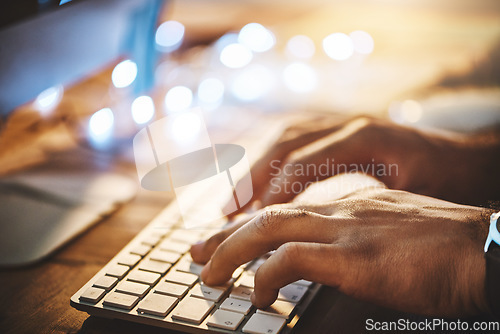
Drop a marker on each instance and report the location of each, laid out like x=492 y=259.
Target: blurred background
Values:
x=419 y=62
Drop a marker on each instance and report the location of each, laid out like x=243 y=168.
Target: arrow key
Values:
x=225 y=319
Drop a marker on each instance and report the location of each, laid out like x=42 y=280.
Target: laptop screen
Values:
x=15 y=11
x=67 y=41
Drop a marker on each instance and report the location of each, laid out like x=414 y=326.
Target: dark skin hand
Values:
x=394 y=248
x=397 y=249
x=457 y=168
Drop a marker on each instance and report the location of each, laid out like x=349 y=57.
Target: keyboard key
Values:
x=129 y=259
x=189 y=267
x=192 y=310
x=164 y=256
x=303 y=282
x=133 y=288
x=154 y=266
x=117 y=270
x=225 y=319
x=150 y=241
x=175 y=246
x=237 y=272
x=120 y=300
x=292 y=293
x=254 y=266
x=184 y=236
x=143 y=277
x=264 y=324
x=92 y=295
x=141 y=250
x=241 y=292
x=246 y=280
x=279 y=308
x=160 y=232
x=106 y=282
x=156 y=304
x=171 y=289
x=181 y=278
x=206 y=292
x=236 y=305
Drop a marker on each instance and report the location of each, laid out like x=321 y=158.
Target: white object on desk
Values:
x=39 y=212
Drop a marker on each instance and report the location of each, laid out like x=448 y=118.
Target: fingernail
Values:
x=205 y=271
x=252 y=298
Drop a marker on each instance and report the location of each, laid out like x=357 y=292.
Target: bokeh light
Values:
x=338 y=46
x=362 y=42
x=236 y=55
x=143 y=109
x=225 y=40
x=185 y=127
x=178 y=98
x=211 y=91
x=300 y=77
x=101 y=122
x=408 y=111
x=49 y=99
x=124 y=74
x=411 y=111
x=169 y=35
x=256 y=37
x=253 y=83
x=301 y=46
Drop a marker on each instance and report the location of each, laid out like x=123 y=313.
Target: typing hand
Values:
x=450 y=167
x=400 y=250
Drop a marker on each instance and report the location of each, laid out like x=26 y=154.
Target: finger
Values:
x=260 y=174
x=290 y=140
x=293 y=261
x=346 y=147
x=202 y=252
x=264 y=233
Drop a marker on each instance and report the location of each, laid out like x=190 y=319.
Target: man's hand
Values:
x=447 y=166
x=400 y=250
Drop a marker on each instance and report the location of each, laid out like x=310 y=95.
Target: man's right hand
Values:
x=396 y=249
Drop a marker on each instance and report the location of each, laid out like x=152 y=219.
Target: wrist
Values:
x=492 y=256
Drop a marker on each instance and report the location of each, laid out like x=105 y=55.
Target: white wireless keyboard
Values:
x=154 y=281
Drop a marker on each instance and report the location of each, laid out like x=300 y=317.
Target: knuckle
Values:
x=381 y=195
x=269 y=220
x=357 y=207
x=265 y=223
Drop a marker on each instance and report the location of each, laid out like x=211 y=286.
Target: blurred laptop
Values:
x=49 y=43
